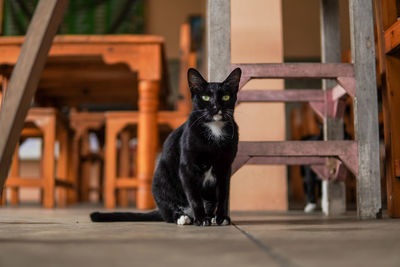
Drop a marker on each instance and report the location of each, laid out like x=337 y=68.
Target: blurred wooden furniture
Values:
x=116 y=122
x=47 y=124
x=83 y=123
x=141 y=54
x=387 y=13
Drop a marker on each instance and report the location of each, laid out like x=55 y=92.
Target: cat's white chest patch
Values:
x=209 y=177
x=216 y=129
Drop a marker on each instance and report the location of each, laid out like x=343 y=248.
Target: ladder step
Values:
x=296 y=148
x=294 y=70
x=297 y=70
x=281 y=96
x=345 y=150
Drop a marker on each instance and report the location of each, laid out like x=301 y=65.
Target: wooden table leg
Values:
x=123 y=167
x=147 y=141
x=48 y=161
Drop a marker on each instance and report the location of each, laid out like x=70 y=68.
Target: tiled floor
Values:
x=66 y=237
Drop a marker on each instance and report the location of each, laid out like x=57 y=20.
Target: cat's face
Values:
x=214 y=101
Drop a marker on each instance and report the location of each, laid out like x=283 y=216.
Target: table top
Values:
x=94 y=71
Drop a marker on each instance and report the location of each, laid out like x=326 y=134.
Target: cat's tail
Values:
x=152 y=216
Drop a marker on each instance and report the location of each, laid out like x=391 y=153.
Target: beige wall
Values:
x=256 y=32
x=301 y=22
x=164 y=17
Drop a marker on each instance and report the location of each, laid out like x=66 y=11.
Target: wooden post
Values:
x=333 y=192
x=123 y=198
x=147 y=141
x=218 y=39
x=184 y=104
x=25 y=77
x=366 y=109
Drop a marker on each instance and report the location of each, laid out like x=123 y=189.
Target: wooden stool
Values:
x=116 y=122
x=82 y=123
x=49 y=126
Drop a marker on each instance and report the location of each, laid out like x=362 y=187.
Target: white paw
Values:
x=183 y=220
x=214 y=221
x=225 y=222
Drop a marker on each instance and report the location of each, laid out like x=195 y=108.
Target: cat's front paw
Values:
x=202 y=221
x=222 y=220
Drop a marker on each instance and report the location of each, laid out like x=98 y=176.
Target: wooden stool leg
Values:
x=3 y=197
x=101 y=181
x=147 y=141
x=62 y=166
x=14 y=172
x=123 y=167
x=110 y=164
x=86 y=168
x=48 y=162
x=72 y=195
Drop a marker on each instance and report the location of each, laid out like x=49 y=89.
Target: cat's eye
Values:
x=205 y=98
x=226 y=97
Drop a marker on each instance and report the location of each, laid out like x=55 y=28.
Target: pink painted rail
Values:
x=326 y=103
x=281 y=96
x=297 y=153
x=294 y=70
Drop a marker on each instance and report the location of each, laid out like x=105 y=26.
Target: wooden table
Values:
x=141 y=54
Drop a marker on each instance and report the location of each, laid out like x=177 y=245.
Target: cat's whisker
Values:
x=202 y=116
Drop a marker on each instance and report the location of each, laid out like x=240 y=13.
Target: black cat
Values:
x=191 y=181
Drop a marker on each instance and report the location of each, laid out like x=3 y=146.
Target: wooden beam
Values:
x=333 y=192
x=392 y=38
x=25 y=77
x=218 y=39
x=366 y=109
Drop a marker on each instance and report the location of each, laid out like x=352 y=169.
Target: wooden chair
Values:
x=116 y=122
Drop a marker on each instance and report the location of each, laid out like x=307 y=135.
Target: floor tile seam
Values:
x=278 y=258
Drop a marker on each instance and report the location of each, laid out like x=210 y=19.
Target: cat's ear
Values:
x=233 y=79
x=196 y=81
